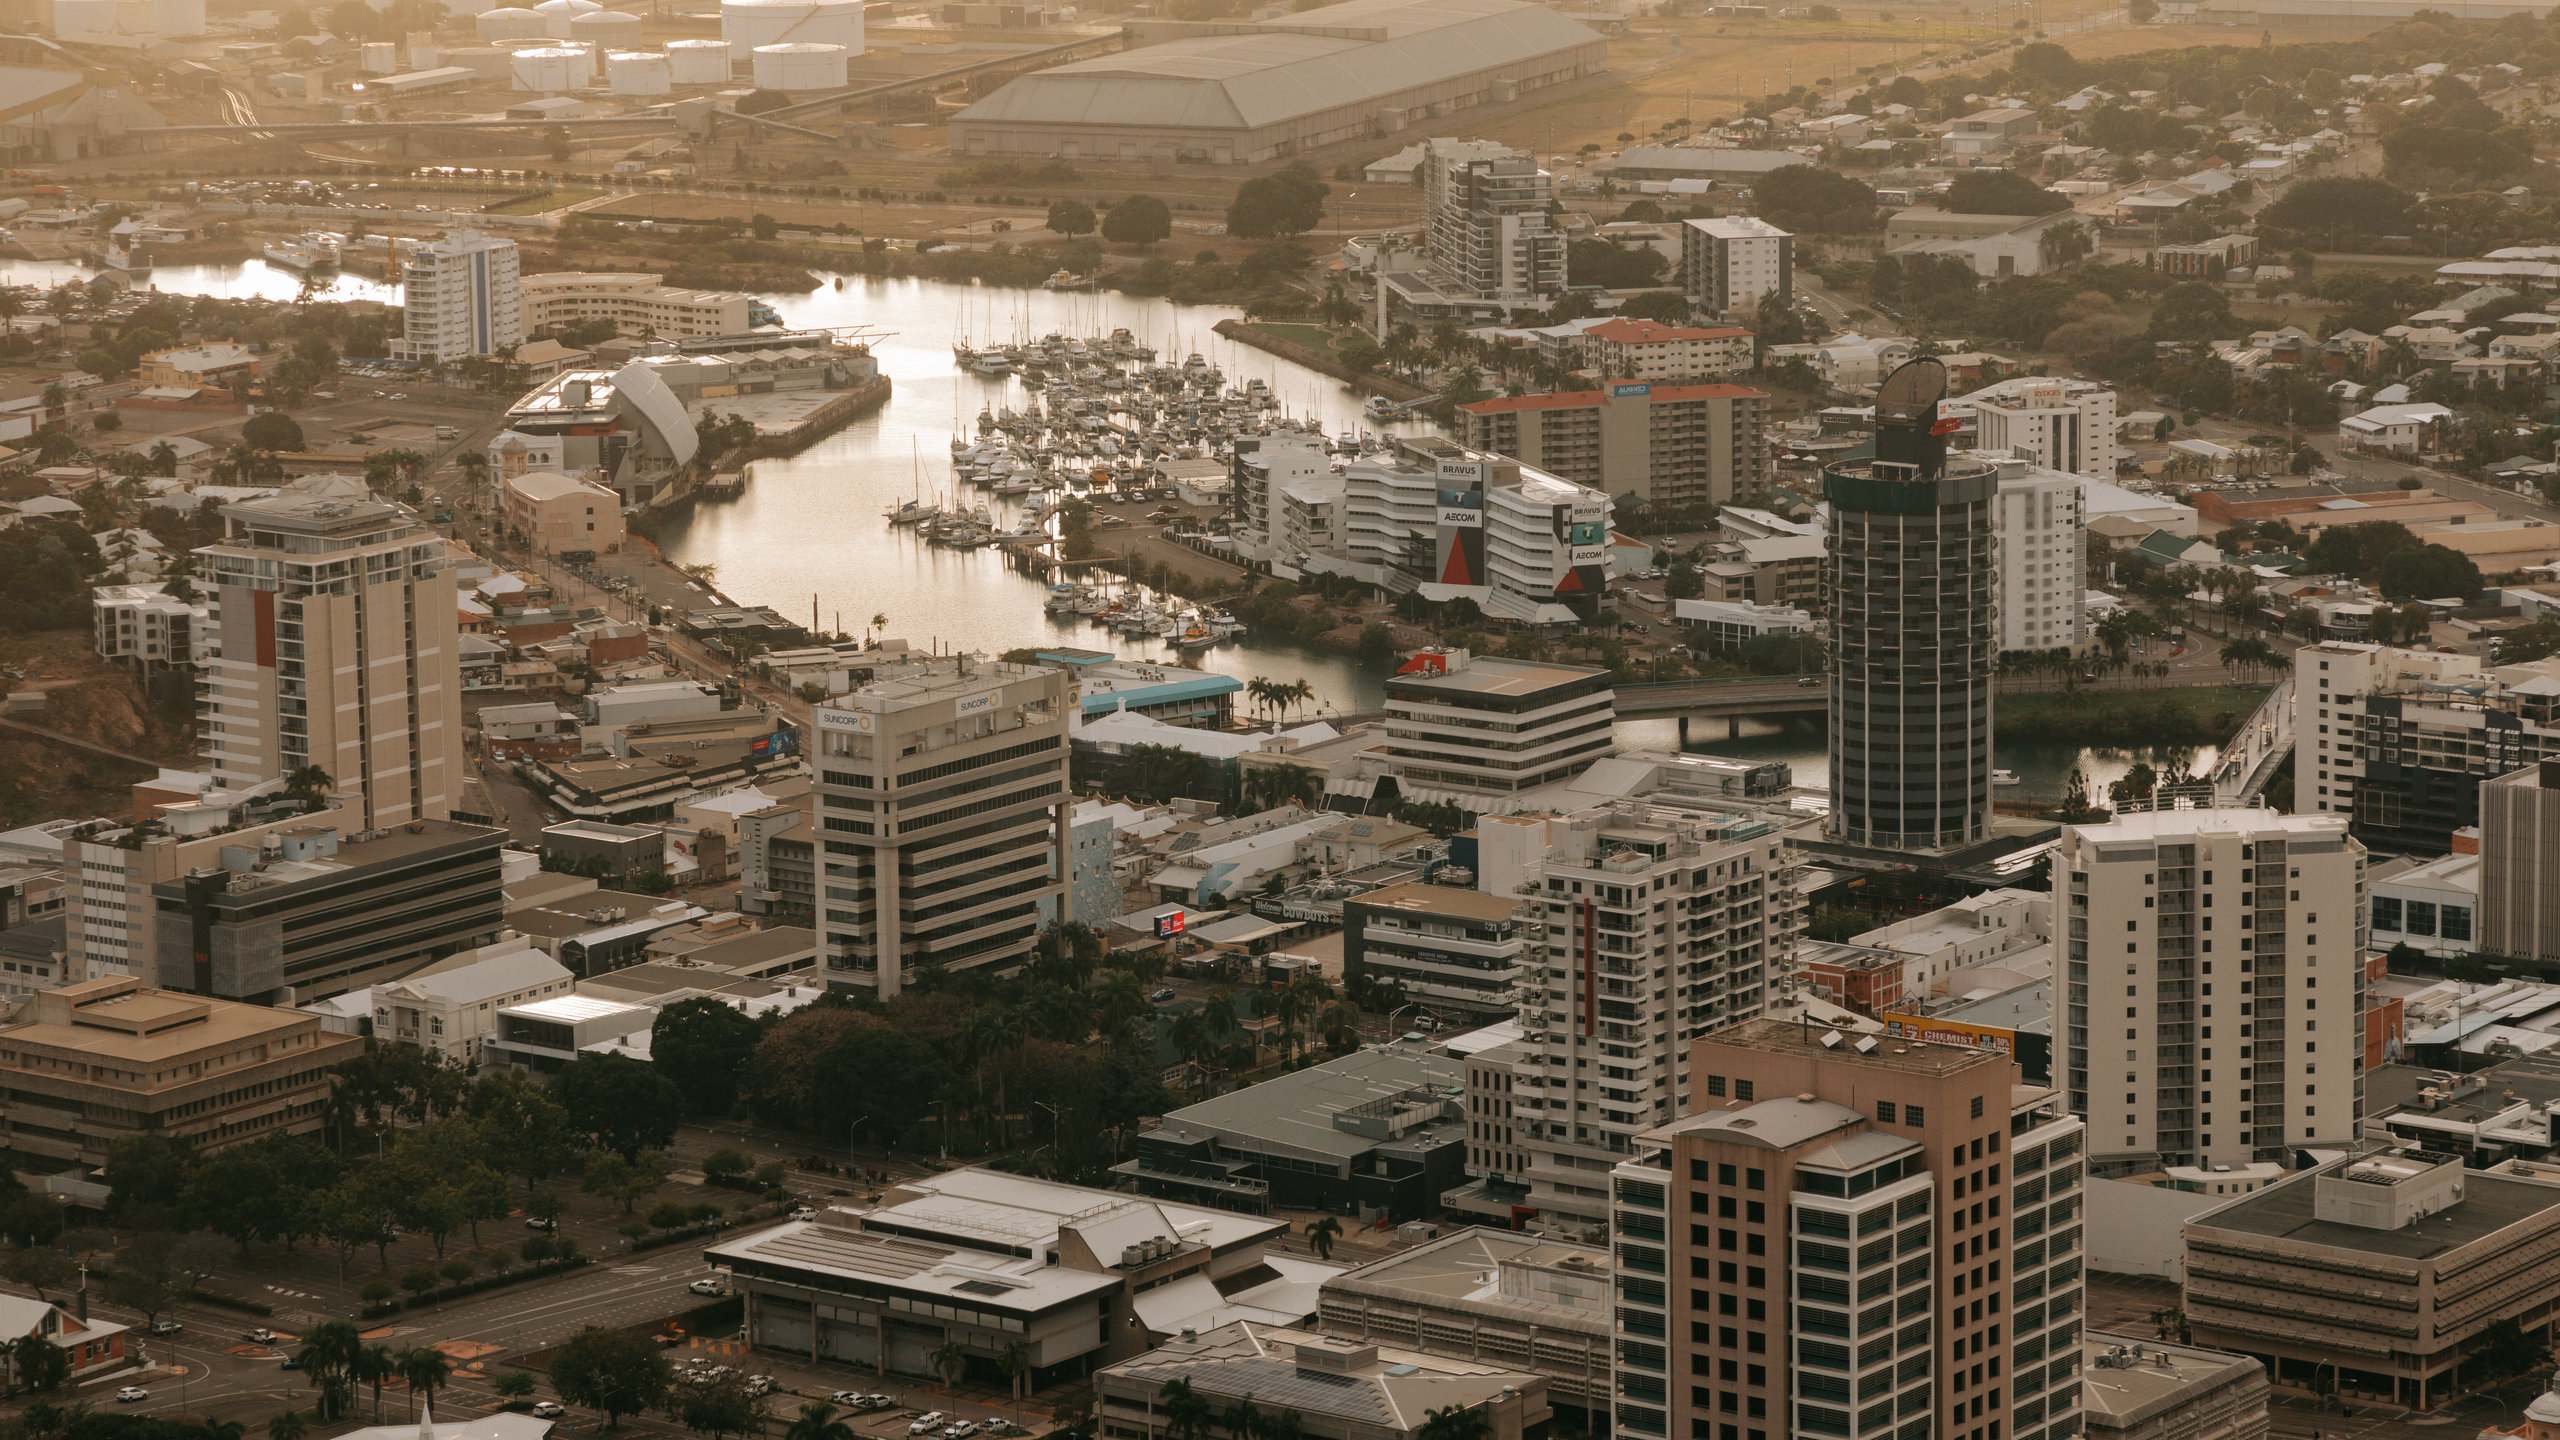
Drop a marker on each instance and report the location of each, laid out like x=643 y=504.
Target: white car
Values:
x=849 y=1398
x=131 y=1393
x=759 y=1384
x=960 y=1430
x=926 y=1423
x=549 y=1410
x=704 y=1287
x=166 y=1327
x=804 y=1212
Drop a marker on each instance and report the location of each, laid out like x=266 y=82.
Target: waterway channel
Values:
x=809 y=526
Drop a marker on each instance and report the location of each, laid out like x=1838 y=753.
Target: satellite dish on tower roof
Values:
x=1911 y=389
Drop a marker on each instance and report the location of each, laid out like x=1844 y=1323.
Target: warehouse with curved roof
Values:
x=1237 y=92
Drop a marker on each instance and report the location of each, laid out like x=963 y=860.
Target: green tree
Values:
x=1287 y=202
x=2430 y=572
x=2507 y=1349
x=619 y=1372
x=763 y=226
x=287 y=1425
x=274 y=430
x=38 y=1364
x=1989 y=191
x=1138 y=220
x=623 y=1181
x=618 y=1102
x=817 y=1421
x=1070 y=217
x=949 y=1361
x=700 y=1044
x=723 y=1407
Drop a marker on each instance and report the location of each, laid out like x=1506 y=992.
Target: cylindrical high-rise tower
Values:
x=1910 y=574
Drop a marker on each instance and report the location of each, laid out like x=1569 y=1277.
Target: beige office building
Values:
x=939 y=818
x=558 y=513
x=637 y=304
x=91 y=1064
x=2520 y=863
x=334 y=644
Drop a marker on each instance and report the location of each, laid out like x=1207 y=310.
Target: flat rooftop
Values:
x=1423 y=899
x=2283 y=1211
x=2126 y=1380
x=145 y=1026
x=1493 y=675
x=1296 y=1112
x=1918 y=1057
x=922 y=684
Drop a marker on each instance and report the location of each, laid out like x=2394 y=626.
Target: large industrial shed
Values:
x=1239 y=92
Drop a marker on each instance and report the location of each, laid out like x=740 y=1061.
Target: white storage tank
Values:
x=800 y=65
x=637 y=72
x=551 y=69
x=750 y=24
x=171 y=19
x=381 y=57
x=556 y=14
x=84 y=17
x=610 y=29
x=698 y=62
x=507 y=23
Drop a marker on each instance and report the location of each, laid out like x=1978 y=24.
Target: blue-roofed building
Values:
x=1167 y=693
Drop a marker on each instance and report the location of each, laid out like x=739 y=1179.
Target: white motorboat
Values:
x=2005 y=777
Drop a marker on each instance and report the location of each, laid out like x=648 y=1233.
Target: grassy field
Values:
x=1314 y=337
x=544 y=202
x=1708 y=69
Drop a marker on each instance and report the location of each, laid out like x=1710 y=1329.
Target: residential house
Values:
x=91 y=1346
x=2400 y=429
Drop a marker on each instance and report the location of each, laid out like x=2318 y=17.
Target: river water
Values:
x=810 y=525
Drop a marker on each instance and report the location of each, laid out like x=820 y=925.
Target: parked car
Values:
x=759 y=1384
x=536 y=1222
x=131 y=1393
x=704 y=1287
x=804 y=1212
x=926 y=1423
x=960 y=1430
x=549 y=1410
x=849 y=1398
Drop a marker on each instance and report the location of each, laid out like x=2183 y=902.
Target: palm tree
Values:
x=950 y=1362
x=287 y=1425
x=1284 y=1425
x=1455 y=1422
x=1186 y=1411
x=1320 y=1235
x=425 y=1369
x=373 y=1365
x=328 y=1352
x=817 y=1422
x=1218 y=1014
x=1342 y=1027
x=1015 y=1360
x=1241 y=1420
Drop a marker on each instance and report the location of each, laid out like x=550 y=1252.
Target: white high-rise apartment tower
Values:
x=1734 y=262
x=2059 y=424
x=460 y=296
x=334 y=644
x=1486 y=209
x=2043 y=559
x=1661 y=926
x=2213 y=972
